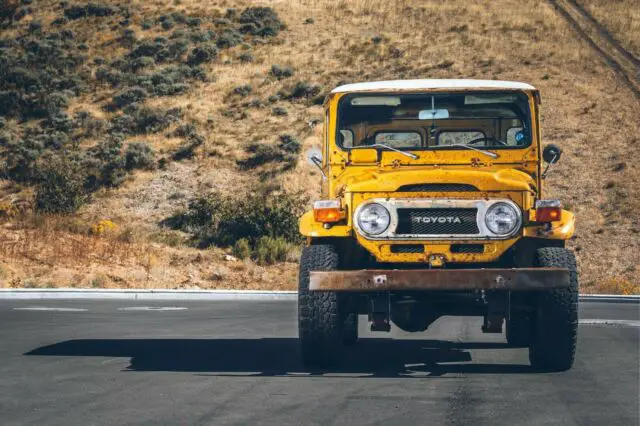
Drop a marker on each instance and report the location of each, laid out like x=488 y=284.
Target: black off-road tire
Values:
x=555 y=334
x=320 y=323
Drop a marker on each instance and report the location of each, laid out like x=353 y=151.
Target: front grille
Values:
x=467 y=248
x=437 y=221
x=407 y=248
x=437 y=187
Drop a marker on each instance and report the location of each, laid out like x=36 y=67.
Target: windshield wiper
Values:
x=390 y=148
x=482 y=151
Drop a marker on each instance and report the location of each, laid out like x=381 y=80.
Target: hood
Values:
x=390 y=181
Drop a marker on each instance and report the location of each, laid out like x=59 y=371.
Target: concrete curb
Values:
x=160 y=294
x=610 y=298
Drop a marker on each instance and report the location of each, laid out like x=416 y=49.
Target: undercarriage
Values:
x=536 y=306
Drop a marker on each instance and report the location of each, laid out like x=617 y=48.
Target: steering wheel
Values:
x=486 y=138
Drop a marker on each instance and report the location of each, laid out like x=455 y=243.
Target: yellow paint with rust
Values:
x=354 y=176
x=562 y=229
x=310 y=228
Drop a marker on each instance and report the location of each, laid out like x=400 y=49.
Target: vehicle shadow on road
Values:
x=281 y=356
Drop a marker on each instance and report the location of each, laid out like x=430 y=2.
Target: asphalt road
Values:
x=118 y=362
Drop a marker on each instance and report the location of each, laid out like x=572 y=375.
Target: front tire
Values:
x=320 y=323
x=555 y=334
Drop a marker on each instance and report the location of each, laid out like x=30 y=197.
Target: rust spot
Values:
x=440 y=279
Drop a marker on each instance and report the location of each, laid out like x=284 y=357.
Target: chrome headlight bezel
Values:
x=394 y=204
x=364 y=209
x=517 y=218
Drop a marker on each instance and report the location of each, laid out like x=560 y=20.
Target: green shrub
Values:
x=61 y=188
x=167 y=24
x=137 y=64
x=185 y=130
x=107 y=158
x=142 y=119
x=285 y=152
x=55 y=102
x=279 y=111
x=271 y=250
x=222 y=219
x=200 y=36
x=88 y=125
x=129 y=96
x=221 y=22
x=242 y=91
x=194 y=22
x=128 y=38
x=242 y=249
x=139 y=155
x=7 y=10
x=20 y=160
x=90 y=9
x=264 y=19
x=262 y=154
x=302 y=89
x=202 y=54
x=187 y=150
x=281 y=72
x=229 y=38
x=290 y=144
x=246 y=57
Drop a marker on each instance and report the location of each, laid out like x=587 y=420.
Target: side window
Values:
x=399 y=139
x=346 y=137
x=458 y=137
x=515 y=136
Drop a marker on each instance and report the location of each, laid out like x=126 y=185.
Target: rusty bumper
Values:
x=440 y=279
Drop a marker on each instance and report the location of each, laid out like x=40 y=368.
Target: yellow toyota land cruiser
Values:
x=433 y=204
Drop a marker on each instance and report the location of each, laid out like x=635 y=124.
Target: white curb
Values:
x=614 y=323
x=160 y=294
x=609 y=298
x=123 y=294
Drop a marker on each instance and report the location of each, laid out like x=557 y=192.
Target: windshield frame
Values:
x=528 y=119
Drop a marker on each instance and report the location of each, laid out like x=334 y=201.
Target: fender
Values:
x=562 y=229
x=310 y=228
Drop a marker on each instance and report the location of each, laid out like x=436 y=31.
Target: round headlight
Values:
x=502 y=218
x=374 y=219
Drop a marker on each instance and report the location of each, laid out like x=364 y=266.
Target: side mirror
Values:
x=314 y=156
x=551 y=154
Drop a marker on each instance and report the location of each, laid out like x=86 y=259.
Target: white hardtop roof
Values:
x=432 y=84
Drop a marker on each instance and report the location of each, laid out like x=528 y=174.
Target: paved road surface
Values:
x=117 y=362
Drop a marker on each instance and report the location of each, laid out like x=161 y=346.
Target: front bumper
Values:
x=516 y=279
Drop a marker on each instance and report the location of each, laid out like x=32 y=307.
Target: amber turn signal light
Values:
x=548 y=210
x=548 y=214
x=327 y=211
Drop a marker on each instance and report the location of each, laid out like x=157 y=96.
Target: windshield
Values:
x=496 y=120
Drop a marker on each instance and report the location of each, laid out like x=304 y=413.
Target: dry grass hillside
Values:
x=621 y=18
x=165 y=110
